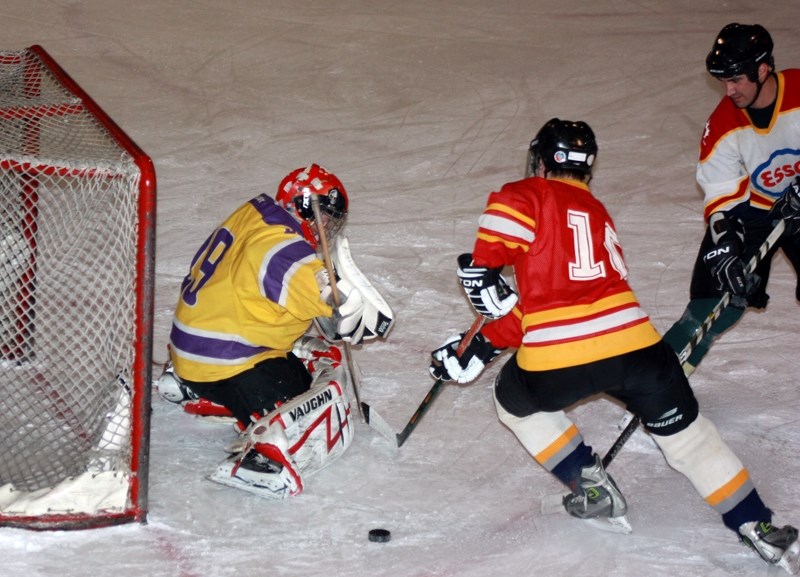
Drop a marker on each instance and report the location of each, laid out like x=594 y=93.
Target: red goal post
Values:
x=77 y=262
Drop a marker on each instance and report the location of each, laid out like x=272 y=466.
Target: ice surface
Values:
x=422 y=109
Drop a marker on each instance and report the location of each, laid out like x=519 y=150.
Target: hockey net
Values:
x=77 y=220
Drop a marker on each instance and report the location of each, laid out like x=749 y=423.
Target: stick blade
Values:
x=379 y=424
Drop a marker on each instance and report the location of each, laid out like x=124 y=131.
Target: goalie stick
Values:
x=326 y=254
x=375 y=421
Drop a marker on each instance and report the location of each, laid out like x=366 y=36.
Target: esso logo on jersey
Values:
x=772 y=177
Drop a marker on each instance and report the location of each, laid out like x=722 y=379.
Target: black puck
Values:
x=379 y=535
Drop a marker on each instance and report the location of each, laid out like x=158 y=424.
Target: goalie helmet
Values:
x=564 y=145
x=740 y=49
x=294 y=194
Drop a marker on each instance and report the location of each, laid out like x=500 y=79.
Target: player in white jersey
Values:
x=239 y=345
x=748 y=168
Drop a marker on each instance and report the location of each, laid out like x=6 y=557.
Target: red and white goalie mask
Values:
x=295 y=192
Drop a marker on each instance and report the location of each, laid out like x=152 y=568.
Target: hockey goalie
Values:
x=241 y=344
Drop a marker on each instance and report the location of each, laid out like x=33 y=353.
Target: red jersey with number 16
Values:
x=575 y=303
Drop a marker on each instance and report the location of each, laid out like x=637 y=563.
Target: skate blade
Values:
x=790 y=561
x=610 y=524
x=552 y=504
x=555 y=504
x=267 y=486
x=272 y=493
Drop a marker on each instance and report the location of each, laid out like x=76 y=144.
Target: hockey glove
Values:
x=787 y=207
x=486 y=288
x=448 y=366
x=347 y=322
x=724 y=258
x=350 y=314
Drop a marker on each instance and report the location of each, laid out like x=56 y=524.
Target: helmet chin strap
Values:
x=760 y=86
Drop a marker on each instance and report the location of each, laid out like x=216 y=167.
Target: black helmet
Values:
x=739 y=49
x=564 y=145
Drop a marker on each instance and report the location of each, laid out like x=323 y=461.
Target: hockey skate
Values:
x=776 y=545
x=598 y=501
x=257 y=474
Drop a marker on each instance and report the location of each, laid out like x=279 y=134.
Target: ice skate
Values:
x=255 y=474
x=598 y=501
x=776 y=545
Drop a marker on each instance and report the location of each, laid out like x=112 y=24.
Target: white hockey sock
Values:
x=548 y=437
x=699 y=453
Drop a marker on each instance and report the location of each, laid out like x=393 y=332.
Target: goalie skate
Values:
x=256 y=474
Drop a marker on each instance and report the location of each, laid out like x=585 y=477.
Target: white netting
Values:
x=68 y=252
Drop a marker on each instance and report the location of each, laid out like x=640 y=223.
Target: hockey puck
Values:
x=379 y=535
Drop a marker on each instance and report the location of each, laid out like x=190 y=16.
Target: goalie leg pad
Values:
x=297 y=439
x=317 y=423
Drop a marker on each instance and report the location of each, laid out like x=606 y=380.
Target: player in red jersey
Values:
x=578 y=330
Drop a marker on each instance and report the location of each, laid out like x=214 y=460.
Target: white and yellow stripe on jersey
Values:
x=251 y=292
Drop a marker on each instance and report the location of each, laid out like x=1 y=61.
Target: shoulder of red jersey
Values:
x=790 y=79
x=725 y=119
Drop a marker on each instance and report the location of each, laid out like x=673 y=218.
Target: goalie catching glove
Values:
x=448 y=365
x=362 y=314
x=486 y=288
x=347 y=322
x=724 y=258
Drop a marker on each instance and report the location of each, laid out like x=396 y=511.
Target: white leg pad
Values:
x=317 y=423
x=699 y=453
x=303 y=435
x=548 y=437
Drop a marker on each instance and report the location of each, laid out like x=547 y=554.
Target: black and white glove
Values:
x=486 y=288
x=787 y=207
x=449 y=366
x=724 y=258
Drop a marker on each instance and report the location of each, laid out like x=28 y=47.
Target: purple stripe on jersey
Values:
x=280 y=263
x=212 y=348
x=271 y=213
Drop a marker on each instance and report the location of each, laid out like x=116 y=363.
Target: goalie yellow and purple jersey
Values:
x=251 y=292
x=741 y=164
x=575 y=305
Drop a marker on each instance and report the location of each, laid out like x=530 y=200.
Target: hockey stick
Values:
x=326 y=254
x=380 y=425
x=699 y=333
